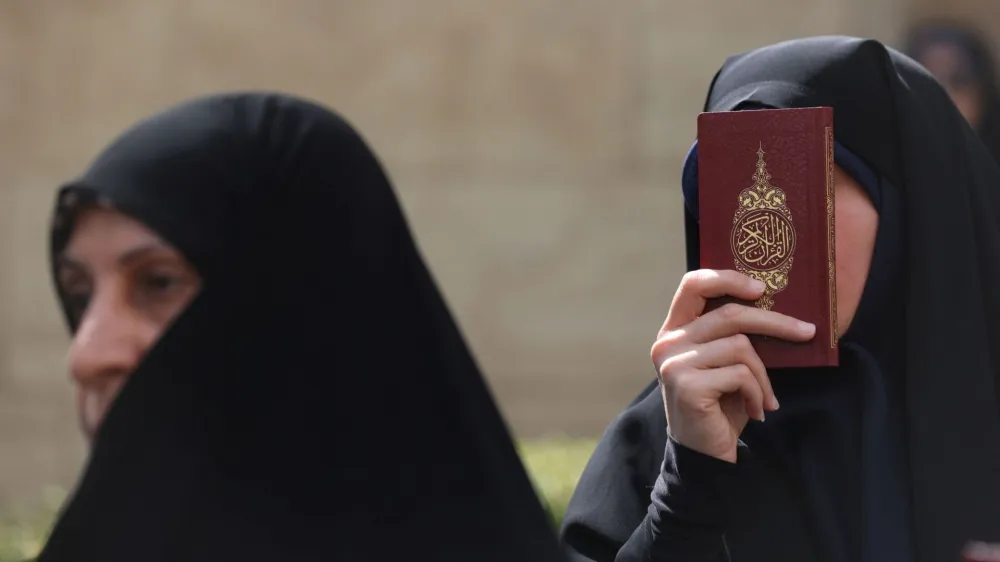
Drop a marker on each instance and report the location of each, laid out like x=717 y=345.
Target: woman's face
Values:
x=124 y=285
x=856 y=229
x=946 y=63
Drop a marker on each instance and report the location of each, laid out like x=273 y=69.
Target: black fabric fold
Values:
x=689 y=508
x=316 y=401
x=693 y=488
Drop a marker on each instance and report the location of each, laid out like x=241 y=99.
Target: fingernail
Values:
x=776 y=405
x=806 y=327
x=757 y=285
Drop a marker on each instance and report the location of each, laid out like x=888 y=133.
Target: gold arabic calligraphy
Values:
x=763 y=239
x=763 y=236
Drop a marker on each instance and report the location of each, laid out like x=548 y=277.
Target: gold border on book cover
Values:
x=763 y=236
x=831 y=231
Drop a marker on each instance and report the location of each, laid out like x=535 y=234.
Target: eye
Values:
x=159 y=289
x=77 y=290
x=162 y=283
x=76 y=304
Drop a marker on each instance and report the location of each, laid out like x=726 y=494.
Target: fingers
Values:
x=700 y=389
x=732 y=319
x=698 y=286
x=736 y=350
x=705 y=356
x=738 y=378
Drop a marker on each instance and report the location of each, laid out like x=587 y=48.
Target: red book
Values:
x=766 y=206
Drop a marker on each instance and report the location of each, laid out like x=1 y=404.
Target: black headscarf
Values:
x=316 y=401
x=978 y=67
x=896 y=453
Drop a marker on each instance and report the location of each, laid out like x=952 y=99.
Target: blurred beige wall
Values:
x=535 y=145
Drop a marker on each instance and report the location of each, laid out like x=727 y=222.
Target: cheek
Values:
x=158 y=314
x=967 y=104
x=857 y=226
x=847 y=262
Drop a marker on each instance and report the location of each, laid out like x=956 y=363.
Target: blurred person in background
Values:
x=893 y=455
x=264 y=365
x=963 y=62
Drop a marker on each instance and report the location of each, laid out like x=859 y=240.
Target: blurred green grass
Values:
x=21 y=537
x=554 y=465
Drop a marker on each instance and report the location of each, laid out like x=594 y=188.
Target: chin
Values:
x=89 y=430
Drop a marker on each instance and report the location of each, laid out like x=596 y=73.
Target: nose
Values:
x=106 y=348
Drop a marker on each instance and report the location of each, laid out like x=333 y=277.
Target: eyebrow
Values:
x=132 y=254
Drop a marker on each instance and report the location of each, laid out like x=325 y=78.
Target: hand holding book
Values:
x=712 y=380
x=766 y=230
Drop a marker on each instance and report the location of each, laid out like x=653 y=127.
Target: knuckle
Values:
x=659 y=350
x=744 y=372
x=669 y=370
x=665 y=345
x=672 y=338
x=694 y=279
x=656 y=351
x=688 y=282
x=750 y=381
x=731 y=311
x=741 y=344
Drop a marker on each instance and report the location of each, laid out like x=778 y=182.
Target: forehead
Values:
x=942 y=57
x=99 y=230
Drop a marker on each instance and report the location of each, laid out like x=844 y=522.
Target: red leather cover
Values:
x=766 y=205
